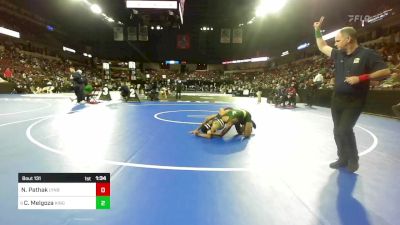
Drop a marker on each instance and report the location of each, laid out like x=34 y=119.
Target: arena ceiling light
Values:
x=269 y=6
x=152 y=4
x=330 y=35
x=95 y=8
x=250 y=21
x=172 y=62
x=68 y=49
x=258 y=59
x=9 y=32
x=206 y=28
x=303 y=46
x=379 y=16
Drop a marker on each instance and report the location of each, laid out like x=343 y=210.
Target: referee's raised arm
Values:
x=322 y=46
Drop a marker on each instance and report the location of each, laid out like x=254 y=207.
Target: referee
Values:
x=355 y=66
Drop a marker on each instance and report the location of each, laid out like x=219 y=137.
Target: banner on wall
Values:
x=118 y=33
x=225 y=35
x=143 y=33
x=183 y=41
x=237 y=36
x=132 y=34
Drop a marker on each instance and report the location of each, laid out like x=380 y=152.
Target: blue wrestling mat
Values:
x=162 y=174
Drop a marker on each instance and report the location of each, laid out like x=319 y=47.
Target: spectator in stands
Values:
x=354 y=67
x=318 y=80
x=128 y=92
x=280 y=95
x=8 y=74
x=291 y=95
x=259 y=93
x=154 y=90
x=125 y=92
x=310 y=89
x=396 y=110
x=394 y=80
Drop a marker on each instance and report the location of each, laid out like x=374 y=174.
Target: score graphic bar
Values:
x=64 y=191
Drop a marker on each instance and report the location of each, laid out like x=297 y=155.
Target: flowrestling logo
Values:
x=369 y=18
x=359 y=18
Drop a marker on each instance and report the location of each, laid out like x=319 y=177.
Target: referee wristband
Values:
x=363 y=77
x=318 y=33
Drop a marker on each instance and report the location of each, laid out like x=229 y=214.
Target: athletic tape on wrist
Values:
x=318 y=33
x=364 y=77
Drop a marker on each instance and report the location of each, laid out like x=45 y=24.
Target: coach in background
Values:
x=354 y=66
x=78 y=84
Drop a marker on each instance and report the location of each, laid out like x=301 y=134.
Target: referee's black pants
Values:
x=345 y=111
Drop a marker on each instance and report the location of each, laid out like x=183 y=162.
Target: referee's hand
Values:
x=352 y=80
x=317 y=25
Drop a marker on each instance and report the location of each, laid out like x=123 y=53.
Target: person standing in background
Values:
x=78 y=84
x=178 y=89
x=259 y=93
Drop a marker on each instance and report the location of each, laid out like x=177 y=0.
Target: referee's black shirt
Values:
x=361 y=61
